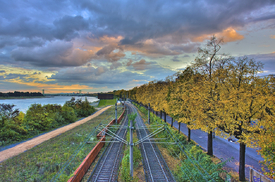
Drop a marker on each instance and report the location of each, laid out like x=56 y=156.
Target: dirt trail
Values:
x=20 y=148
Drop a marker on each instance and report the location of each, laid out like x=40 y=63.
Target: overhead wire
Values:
x=72 y=157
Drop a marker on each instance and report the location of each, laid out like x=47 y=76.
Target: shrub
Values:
x=38 y=119
x=82 y=108
x=68 y=114
x=11 y=127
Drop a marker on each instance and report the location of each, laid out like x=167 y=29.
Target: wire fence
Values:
x=191 y=168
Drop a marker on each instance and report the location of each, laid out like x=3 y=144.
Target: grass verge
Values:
x=186 y=161
x=124 y=170
x=57 y=158
x=103 y=103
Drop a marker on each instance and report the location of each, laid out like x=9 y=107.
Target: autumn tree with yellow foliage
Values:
x=206 y=63
x=222 y=94
x=182 y=99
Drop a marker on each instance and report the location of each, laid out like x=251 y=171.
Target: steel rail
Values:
x=156 y=171
x=105 y=167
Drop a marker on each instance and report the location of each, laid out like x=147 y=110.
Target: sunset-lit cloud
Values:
x=53 y=88
x=228 y=35
x=107 y=45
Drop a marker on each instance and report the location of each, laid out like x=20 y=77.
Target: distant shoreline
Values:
x=26 y=97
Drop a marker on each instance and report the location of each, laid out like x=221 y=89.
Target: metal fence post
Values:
x=164 y=116
x=148 y=113
x=172 y=122
x=116 y=111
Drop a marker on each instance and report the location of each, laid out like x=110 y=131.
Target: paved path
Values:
x=223 y=149
x=22 y=147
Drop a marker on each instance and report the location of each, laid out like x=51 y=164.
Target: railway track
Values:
x=154 y=165
x=107 y=167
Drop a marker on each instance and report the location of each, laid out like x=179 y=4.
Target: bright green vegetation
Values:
x=57 y=158
x=106 y=102
x=16 y=126
x=192 y=164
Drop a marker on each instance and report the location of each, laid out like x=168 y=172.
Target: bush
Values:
x=84 y=109
x=68 y=114
x=11 y=128
x=81 y=108
x=39 y=120
x=12 y=131
x=16 y=126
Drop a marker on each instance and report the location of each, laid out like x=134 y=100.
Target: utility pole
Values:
x=148 y=113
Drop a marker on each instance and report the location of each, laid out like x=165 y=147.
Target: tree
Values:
x=242 y=103
x=206 y=63
x=68 y=114
x=265 y=139
x=10 y=125
x=38 y=119
x=7 y=112
x=182 y=99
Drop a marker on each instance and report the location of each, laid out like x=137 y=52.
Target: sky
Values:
x=105 y=45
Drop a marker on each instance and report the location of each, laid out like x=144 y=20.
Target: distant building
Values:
x=105 y=96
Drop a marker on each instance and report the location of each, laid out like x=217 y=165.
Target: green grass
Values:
x=45 y=161
x=183 y=159
x=124 y=170
x=103 y=103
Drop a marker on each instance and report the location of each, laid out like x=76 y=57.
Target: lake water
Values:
x=24 y=104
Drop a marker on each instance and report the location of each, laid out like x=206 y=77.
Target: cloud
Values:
x=185 y=48
x=151 y=28
x=111 y=53
x=268 y=60
x=20 y=41
x=100 y=70
x=228 y=35
x=152 y=49
x=67 y=27
x=53 y=54
x=175 y=59
x=90 y=42
x=129 y=62
x=14 y=76
x=95 y=77
x=110 y=77
x=140 y=65
x=64 y=28
x=141 y=21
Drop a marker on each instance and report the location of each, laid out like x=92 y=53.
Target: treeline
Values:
x=17 y=126
x=21 y=94
x=221 y=94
